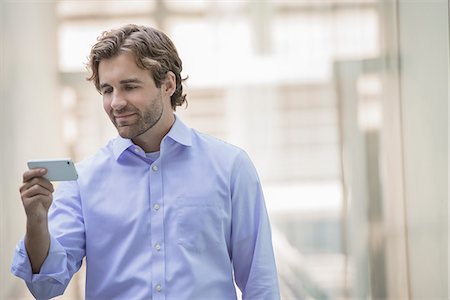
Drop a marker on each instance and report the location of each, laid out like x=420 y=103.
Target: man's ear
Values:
x=169 y=84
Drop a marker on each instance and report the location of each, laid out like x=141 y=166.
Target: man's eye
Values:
x=106 y=91
x=130 y=87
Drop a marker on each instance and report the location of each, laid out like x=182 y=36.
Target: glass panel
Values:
x=73 y=8
x=184 y=7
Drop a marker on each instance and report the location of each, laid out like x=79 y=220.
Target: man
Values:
x=162 y=211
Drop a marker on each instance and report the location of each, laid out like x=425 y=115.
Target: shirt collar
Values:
x=179 y=132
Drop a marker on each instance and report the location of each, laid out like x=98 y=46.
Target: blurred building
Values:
x=342 y=105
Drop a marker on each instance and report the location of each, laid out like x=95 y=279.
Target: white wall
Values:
x=29 y=115
x=424 y=49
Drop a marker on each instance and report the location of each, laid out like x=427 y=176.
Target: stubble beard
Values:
x=146 y=119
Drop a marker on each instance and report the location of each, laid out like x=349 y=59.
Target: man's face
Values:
x=130 y=97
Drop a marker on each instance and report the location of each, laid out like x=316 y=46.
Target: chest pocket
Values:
x=199 y=224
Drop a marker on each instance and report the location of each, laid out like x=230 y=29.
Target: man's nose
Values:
x=118 y=101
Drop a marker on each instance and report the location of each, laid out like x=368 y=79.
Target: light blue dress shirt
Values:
x=185 y=226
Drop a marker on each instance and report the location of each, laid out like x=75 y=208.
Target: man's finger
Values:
x=27 y=175
x=35 y=190
x=45 y=183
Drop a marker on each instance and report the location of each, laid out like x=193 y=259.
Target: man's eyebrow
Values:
x=130 y=80
x=124 y=81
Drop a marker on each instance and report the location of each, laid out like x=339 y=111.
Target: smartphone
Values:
x=62 y=169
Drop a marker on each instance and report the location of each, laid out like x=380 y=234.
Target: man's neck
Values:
x=150 y=140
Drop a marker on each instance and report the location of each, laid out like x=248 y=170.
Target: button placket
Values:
x=157 y=229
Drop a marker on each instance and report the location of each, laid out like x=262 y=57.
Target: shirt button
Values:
x=136 y=149
x=155 y=168
x=158 y=288
x=156 y=206
x=158 y=247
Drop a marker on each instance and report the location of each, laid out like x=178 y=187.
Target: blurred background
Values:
x=342 y=105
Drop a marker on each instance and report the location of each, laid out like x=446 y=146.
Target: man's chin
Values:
x=124 y=132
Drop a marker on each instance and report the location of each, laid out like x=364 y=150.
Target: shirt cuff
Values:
x=53 y=270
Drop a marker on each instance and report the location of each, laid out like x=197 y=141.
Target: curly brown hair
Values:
x=152 y=49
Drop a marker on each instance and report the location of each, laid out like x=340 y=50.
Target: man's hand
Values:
x=36 y=193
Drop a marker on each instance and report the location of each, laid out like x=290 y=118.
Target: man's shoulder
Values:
x=215 y=145
x=223 y=154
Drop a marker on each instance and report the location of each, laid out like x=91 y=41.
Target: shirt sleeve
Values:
x=67 y=244
x=252 y=252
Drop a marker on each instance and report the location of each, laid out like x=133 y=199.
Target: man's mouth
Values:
x=122 y=117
